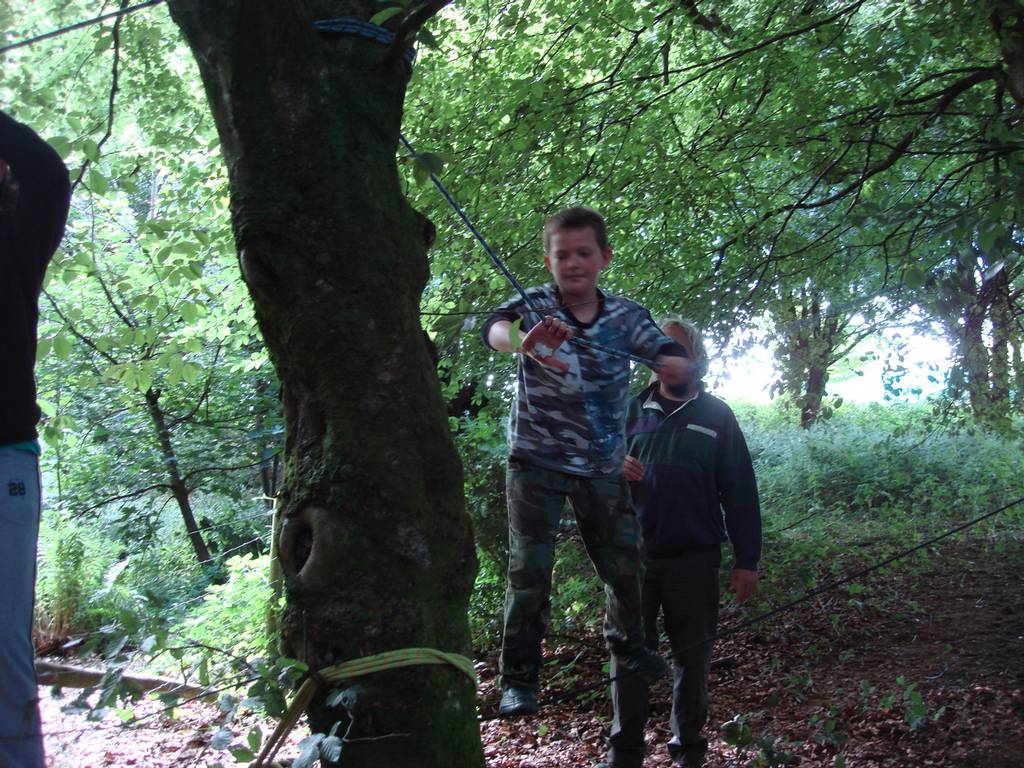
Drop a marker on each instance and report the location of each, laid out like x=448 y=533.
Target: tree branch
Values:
x=229 y=469
x=123 y=497
x=205 y=393
x=901 y=147
x=410 y=25
x=84 y=339
x=711 y=22
x=716 y=62
x=115 y=34
x=67 y=676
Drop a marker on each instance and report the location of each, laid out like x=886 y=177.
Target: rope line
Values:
x=367 y=665
x=577 y=692
x=80 y=25
x=360 y=28
x=507 y=273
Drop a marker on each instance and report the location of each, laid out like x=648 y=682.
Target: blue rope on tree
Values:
x=359 y=28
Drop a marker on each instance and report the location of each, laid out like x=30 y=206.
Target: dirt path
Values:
x=954 y=631
x=824 y=681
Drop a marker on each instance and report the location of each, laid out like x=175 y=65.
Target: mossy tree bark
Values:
x=376 y=548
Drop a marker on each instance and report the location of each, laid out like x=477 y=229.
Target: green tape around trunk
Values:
x=367 y=665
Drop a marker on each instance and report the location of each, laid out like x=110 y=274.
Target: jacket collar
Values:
x=648 y=400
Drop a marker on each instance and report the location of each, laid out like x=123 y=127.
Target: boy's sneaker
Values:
x=517 y=700
x=647 y=664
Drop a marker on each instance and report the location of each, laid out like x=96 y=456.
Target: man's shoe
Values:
x=516 y=700
x=695 y=756
x=647 y=664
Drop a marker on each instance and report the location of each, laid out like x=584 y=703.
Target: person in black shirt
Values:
x=687 y=462
x=34 y=198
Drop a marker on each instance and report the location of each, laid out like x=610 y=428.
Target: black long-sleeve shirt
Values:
x=696 y=464
x=30 y=232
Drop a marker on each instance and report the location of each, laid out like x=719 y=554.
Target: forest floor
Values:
x=923 y=668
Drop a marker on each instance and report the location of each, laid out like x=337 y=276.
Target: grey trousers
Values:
x=685 y=590
x=21 y=742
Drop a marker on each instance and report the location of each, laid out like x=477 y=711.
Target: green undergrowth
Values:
x=847 y=493
x=851 y=491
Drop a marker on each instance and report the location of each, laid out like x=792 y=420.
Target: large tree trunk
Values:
x=376 y=548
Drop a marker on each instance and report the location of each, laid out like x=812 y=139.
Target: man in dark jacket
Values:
x=687 y=463
x=34 y=199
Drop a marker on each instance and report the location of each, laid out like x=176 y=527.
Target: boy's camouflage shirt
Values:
x=574 y=421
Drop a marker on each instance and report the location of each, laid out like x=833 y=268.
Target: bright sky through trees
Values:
x=749 y=376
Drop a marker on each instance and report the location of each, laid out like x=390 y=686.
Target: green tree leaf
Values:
x=381 y=16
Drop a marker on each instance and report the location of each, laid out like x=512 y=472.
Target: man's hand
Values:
x=544 y=338
x=743 y=583
x=634 y=469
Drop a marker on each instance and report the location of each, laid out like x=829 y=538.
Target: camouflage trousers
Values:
x=611 y=536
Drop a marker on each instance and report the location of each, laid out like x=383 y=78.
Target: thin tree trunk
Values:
x=178 y=488
x=276 y=576
x=817 y=377
x=809 y=341
x=269 y=464
x=268 y=477
x=974 y=357
x=1018 y=367
x=972 y=368
x=376 y=548
x=1001 y=315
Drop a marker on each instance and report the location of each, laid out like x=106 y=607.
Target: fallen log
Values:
x=68 y=676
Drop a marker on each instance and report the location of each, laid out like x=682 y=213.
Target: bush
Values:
x=876 y=462
x=872 y=470
x=73 y=561
x=232 y=616
x=486 y=605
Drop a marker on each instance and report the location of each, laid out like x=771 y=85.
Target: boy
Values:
x=566 y=440
x=687 y=462
x=34 y=198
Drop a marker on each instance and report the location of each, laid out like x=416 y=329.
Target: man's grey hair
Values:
x=700 y=352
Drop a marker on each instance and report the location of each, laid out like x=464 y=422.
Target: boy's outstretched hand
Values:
x=544 y=338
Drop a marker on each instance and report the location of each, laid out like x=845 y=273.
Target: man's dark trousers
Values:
x=686 y=588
